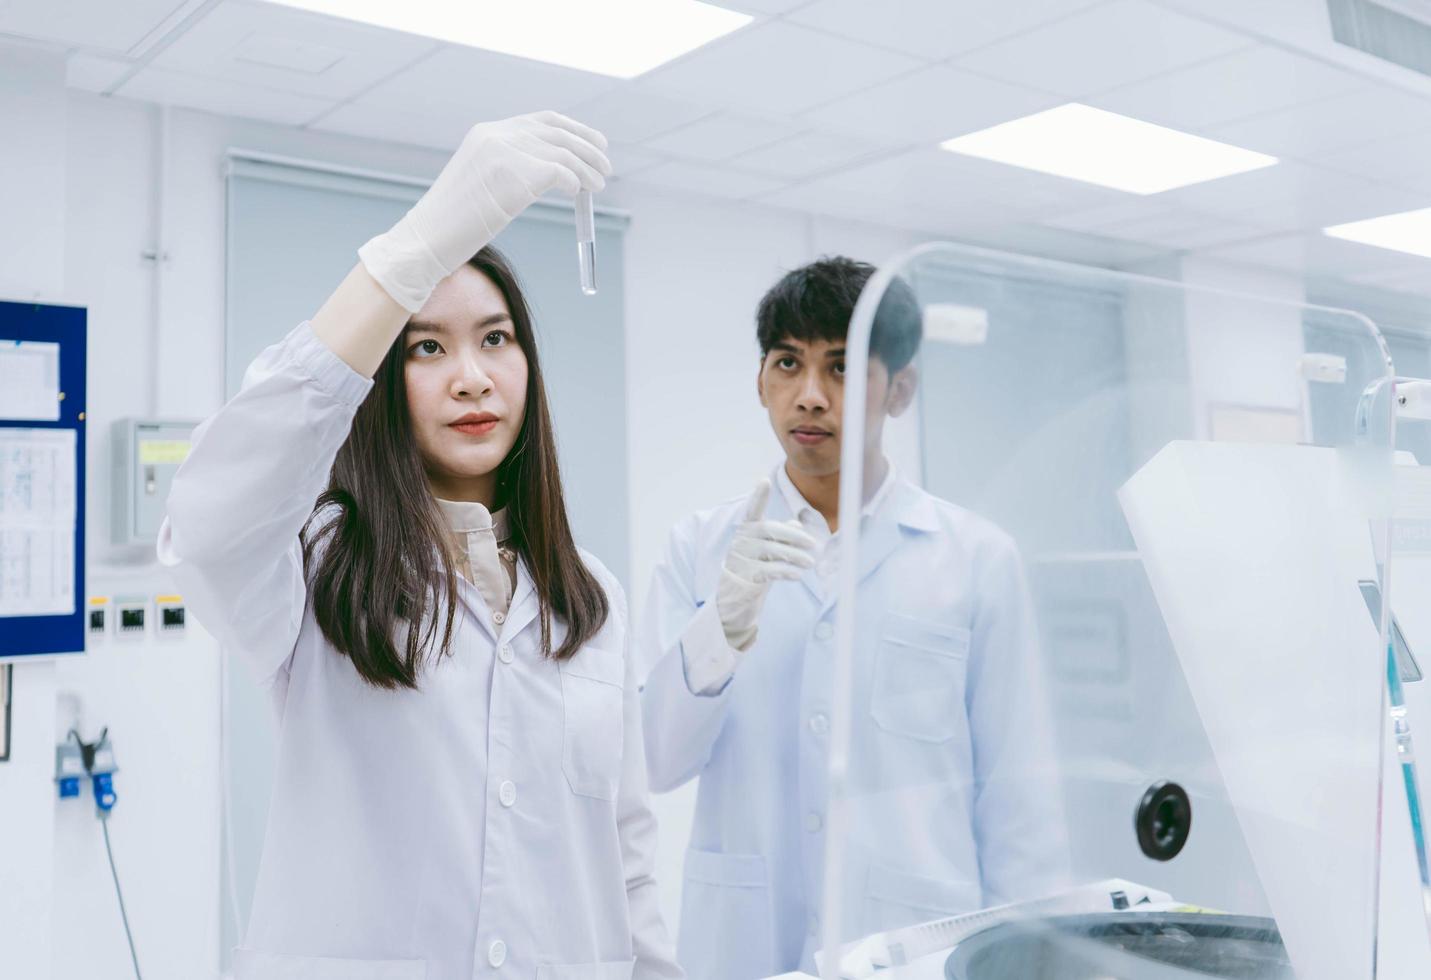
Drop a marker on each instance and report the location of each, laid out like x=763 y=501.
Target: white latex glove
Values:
x=500 y=169
x=763 y=552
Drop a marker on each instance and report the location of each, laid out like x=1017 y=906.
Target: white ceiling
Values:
x=836 y=107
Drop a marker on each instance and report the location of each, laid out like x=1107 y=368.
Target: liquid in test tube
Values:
x=586 y=241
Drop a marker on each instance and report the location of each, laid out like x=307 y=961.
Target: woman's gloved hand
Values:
x=498 y=171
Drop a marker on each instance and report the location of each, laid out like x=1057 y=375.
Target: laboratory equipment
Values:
x=901 y=947
x=1165 y=945
x=1199 y=686
x=146 y=454
x=586 y=241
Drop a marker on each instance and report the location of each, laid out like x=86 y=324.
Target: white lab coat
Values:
x=954 y=795
x=494 y=822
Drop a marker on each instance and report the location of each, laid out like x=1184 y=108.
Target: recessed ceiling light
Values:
x=622 y=38
x=1104 y=148
x=1409 y=231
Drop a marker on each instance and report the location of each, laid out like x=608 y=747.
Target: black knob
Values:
x=1163 y=821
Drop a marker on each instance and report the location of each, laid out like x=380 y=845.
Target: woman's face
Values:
x=466 y=385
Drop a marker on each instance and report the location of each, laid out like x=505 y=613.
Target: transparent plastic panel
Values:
x=1111 y=640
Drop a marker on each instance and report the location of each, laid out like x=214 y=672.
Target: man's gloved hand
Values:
x=762 y=552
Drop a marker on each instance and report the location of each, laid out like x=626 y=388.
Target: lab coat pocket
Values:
x=895 y=899
x=251 y=964
x=726 y=917
x=918 y=687
x=593 y=706
x=615 y=970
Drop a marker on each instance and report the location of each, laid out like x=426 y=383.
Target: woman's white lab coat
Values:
x=495 y=822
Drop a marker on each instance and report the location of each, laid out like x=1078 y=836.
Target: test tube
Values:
x=586 y=241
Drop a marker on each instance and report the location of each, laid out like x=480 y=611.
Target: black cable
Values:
x=104 y=825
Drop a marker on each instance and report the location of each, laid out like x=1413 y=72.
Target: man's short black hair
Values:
x=816 y=301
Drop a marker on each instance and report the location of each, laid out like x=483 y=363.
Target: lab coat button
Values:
x=819 y=723
x=824 y=631
x=497 y=953
x=505 y=654
x=499 y=618
x=507 y=792
x=813 y=822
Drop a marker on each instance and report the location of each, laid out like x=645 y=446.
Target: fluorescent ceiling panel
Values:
x=1409 y=231
x=1100 y=147
x=621 y=38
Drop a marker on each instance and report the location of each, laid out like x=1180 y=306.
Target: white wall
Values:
x=32 y=197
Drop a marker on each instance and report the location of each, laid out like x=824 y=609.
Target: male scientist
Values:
x=953 y=801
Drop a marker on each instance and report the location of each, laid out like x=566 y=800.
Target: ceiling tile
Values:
x=1295 y=196
x=1069 y=246
x=928 y=106
x=965 y=221
x=771 y=8
x=94 y=73
x=948 y=219
x=709 y=181
x=1317 y=128
x=628 y=160
x=472 y=86
x=1402 y=280
x=1101 y=48
x=631 y=115
x=805 y=154
x=1296 y=23
x=1243 y=83
x=1154 y=224
x=232 y=39
x=777 y=69
x=820 y=198
x=113 y=27
x=1316 y=254
x=720 y=137
x=412 y=126
x=221 y=96
x=1404 y=159
x=947 y=183
x=934 y=30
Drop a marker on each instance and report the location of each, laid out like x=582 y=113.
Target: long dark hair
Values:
x=379 y=558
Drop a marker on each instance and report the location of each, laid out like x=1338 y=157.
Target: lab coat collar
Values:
x=908 y=510
x=908 y=506
x=913 y=508
x=896 y=506
x=800 y=508
x=524 y=600
x=521 y=613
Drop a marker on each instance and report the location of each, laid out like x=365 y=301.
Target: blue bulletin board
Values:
x=42 y=480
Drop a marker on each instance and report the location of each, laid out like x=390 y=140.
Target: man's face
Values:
x=802 y=386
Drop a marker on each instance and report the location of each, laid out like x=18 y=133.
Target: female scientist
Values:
x=375 y=523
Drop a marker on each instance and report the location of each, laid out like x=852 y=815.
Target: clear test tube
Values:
x=586 y=241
